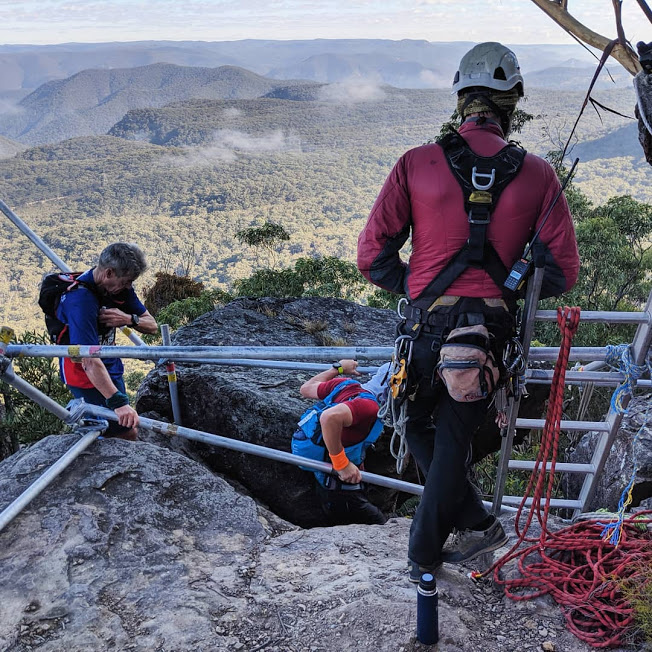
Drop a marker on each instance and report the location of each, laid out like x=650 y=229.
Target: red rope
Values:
x=587 y=576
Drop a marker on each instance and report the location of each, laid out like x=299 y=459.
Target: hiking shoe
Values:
x=469 y=544
x=417 y=571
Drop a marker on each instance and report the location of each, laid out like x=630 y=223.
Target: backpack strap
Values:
x=482 y=179
x=330 y=398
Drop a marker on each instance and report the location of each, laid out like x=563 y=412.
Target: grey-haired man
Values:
x=102 y=301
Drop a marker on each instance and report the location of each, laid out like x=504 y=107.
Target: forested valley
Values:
x=183 y=179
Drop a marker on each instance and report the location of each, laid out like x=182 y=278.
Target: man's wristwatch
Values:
x=135 y=320
x=338 y=367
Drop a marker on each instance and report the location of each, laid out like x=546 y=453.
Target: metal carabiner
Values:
x=402 y=302
x=400 y=350
x=513 y=357
x=475 y=175
x=398 y=379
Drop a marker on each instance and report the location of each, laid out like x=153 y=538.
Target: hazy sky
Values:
x=511 y=21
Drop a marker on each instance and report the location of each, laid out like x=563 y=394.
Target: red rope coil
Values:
x=584 y=574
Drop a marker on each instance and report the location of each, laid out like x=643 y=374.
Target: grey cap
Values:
x=379 y=383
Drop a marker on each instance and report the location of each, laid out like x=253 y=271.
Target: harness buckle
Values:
x=486 y=219
x=476 y=176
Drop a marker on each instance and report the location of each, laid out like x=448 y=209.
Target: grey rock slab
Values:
x=135 y=547
x=132 y=541
x=262 y=406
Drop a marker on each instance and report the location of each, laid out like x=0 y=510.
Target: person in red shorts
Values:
x=346 y=423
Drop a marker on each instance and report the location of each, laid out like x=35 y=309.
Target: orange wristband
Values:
x=340 y=461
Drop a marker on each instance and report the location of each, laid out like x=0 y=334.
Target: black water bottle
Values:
x=427 y=610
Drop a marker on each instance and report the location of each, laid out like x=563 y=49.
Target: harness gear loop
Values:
x=394 y=410
x=402 y=302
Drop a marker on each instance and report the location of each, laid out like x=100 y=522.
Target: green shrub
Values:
x=638 y=592
x=182 y=312
x=25 y=422
x=326 y=276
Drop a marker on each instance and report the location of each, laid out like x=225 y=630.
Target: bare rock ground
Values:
x=138 y=548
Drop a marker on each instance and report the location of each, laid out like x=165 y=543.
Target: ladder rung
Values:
x=554 y=502
x=585 y=376
x=581 y=426
x=567 y=467
x=599 y=316
x=576 y=353
x=584 y=381
x=580 y=377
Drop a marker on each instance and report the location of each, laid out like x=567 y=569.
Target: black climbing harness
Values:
x=482 y=180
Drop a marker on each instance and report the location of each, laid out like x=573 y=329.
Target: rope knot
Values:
x=620 y=356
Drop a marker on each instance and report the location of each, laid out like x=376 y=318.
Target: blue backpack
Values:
x=307 y=441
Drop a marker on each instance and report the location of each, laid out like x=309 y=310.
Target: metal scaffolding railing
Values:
x=607 y=429
x=79 y=412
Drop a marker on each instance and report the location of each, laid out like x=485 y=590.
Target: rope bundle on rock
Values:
x=588 y=576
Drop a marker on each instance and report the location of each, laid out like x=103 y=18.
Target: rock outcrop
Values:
x=620 y=463
x=262 y=406
x=135 y=547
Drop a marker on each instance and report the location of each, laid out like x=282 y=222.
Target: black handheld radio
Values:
x=521 y=268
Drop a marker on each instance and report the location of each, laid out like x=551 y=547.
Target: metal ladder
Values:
x=607 y=429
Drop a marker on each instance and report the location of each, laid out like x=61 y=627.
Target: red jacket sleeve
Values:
x=386 y=231
x=556 y=245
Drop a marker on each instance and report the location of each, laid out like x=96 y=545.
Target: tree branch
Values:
x=645 y=9
x=622 y=52
x=619 y=24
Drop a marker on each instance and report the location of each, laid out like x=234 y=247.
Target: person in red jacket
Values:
x=470 y=203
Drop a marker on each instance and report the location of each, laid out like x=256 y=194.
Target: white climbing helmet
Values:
x=490 y=65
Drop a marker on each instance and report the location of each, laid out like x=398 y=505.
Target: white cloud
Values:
x=227 y=143
x=352 y=91
x=231 y=112
x=275 y=141
x=8 y=107
x=431 y=79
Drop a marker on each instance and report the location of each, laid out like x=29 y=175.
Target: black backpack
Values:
x=52 y=287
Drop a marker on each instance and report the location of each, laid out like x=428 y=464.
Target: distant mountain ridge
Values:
x=396 y=61
x=574 y=75
x=92 y=101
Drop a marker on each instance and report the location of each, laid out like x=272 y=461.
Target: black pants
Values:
x=439 y=432
x=347 y=506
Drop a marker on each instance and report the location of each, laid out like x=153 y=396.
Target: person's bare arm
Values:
x=309 y=388
x=333 y=420
x=116 y=318
x=99 y=376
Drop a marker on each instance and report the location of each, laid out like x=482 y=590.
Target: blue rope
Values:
x=613 y=531
x=620 y=355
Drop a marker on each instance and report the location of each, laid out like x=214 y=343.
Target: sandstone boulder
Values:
x=262 y=406
x=135 y=547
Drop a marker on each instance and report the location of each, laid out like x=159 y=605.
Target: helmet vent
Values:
x=499 y=73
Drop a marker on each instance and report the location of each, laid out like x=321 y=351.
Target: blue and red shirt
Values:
x=79 y=308
x=364 y=410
